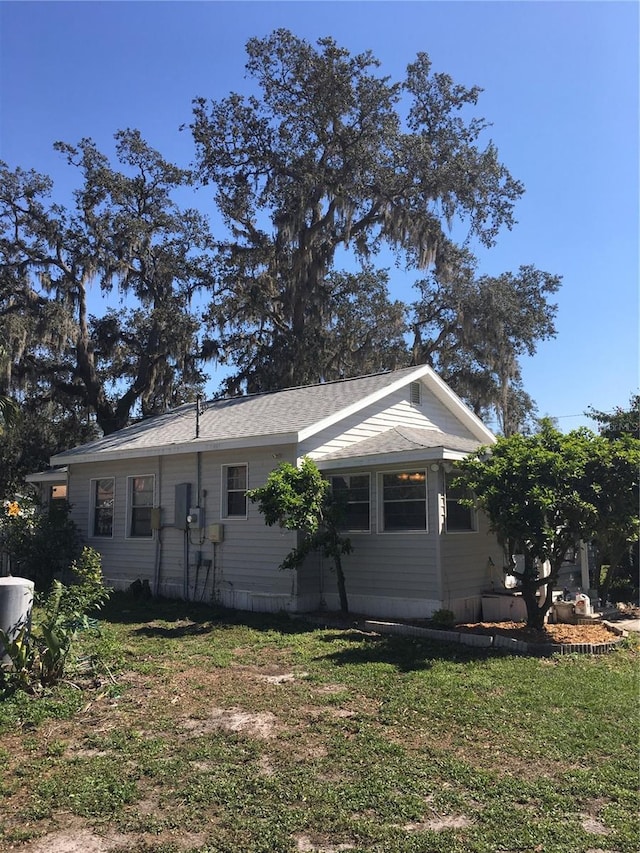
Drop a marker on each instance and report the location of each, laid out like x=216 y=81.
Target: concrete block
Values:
x=482 y=640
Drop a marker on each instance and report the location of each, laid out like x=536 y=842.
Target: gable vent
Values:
x=415 y=393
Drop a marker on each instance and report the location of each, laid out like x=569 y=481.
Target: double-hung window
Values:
x=353 y=492
x=459 y=518
x=404 y=500
x=141 y=491
x=103 y=493
x=234 y=491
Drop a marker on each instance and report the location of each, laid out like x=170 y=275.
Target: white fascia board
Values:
x=193 y=446
x=58 y=476
x=375 y=460
x=362 y=402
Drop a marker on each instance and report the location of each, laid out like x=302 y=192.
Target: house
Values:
x=164 y=500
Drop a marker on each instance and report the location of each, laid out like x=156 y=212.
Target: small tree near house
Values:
x=301 y=499
x=537 y=493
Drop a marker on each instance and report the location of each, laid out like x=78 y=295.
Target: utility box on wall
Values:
x=215 y=532
x=182 y=504
x=195 y=519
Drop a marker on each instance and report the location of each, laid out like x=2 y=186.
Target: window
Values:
x=404 y=501
x=140 y=505
x=234 y=484
x=458 y=518
x=103 y=497
x=353 y=490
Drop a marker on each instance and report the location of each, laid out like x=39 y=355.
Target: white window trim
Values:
x=359 y=531
x=380 y=483
x=92 y=506
x=128 y=534
x=224 y=503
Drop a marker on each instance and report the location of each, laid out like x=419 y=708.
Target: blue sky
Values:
x=560 y=84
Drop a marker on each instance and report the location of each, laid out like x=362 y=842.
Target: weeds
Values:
x=220 y=732
x=38 y=654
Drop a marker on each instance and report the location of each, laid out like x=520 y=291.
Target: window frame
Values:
x=367 y=474
x=382 y=527
x=473 y=515
x=131 y=507
x=94 y=508
x=225 y=491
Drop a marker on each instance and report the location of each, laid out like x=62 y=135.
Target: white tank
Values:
x=16 y=601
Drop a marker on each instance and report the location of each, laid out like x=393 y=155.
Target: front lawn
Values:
x=220 y=732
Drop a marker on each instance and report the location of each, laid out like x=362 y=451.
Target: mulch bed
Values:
x=559 y=633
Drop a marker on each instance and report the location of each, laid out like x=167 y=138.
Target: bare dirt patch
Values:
x=282 y=678
x=438 y=824
x=304 y=844
x=86 y=841
x=592 y=825
x=260 y=725
x=76 y=841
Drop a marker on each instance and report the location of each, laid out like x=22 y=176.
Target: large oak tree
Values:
x=329 y=155
x=124 y=237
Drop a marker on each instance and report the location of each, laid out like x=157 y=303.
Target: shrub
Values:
x=443 y=619
x=41 y=543
x=39 y=658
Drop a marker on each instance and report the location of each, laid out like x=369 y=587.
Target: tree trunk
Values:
x=342 y=589
x=615 y=558
x=530 y=582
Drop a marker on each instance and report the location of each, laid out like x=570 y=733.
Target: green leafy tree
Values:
x=328 y=156
x=617 y=535
x=300 y=499
x=8 y=413
x=125 y=235
x=612 y=474
x=537 y=494
x=621 y=421
x=41 y=543
x=42 y=428
x=474 y=330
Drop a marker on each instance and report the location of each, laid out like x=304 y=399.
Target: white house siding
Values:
x=390 y=574
x=123 y=559
x=393 y=410
x=471 y=563
x=241 y=571
x=247 y=573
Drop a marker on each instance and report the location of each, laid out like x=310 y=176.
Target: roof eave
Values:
x=375 y=460
x=195 y=445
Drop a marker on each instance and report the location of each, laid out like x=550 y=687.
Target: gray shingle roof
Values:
x=278 y=413
x=399 y=439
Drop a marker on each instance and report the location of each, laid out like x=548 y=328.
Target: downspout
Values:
x=156 y=573
x=187 y=532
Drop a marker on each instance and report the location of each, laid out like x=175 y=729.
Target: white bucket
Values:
x=582 y=605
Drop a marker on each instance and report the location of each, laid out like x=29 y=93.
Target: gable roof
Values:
x=278 y=417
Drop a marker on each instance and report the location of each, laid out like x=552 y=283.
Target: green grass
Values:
x=180 y=737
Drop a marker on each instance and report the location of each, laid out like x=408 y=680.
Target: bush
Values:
x=41 y=543
x=38 y=659
x=443 y=619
